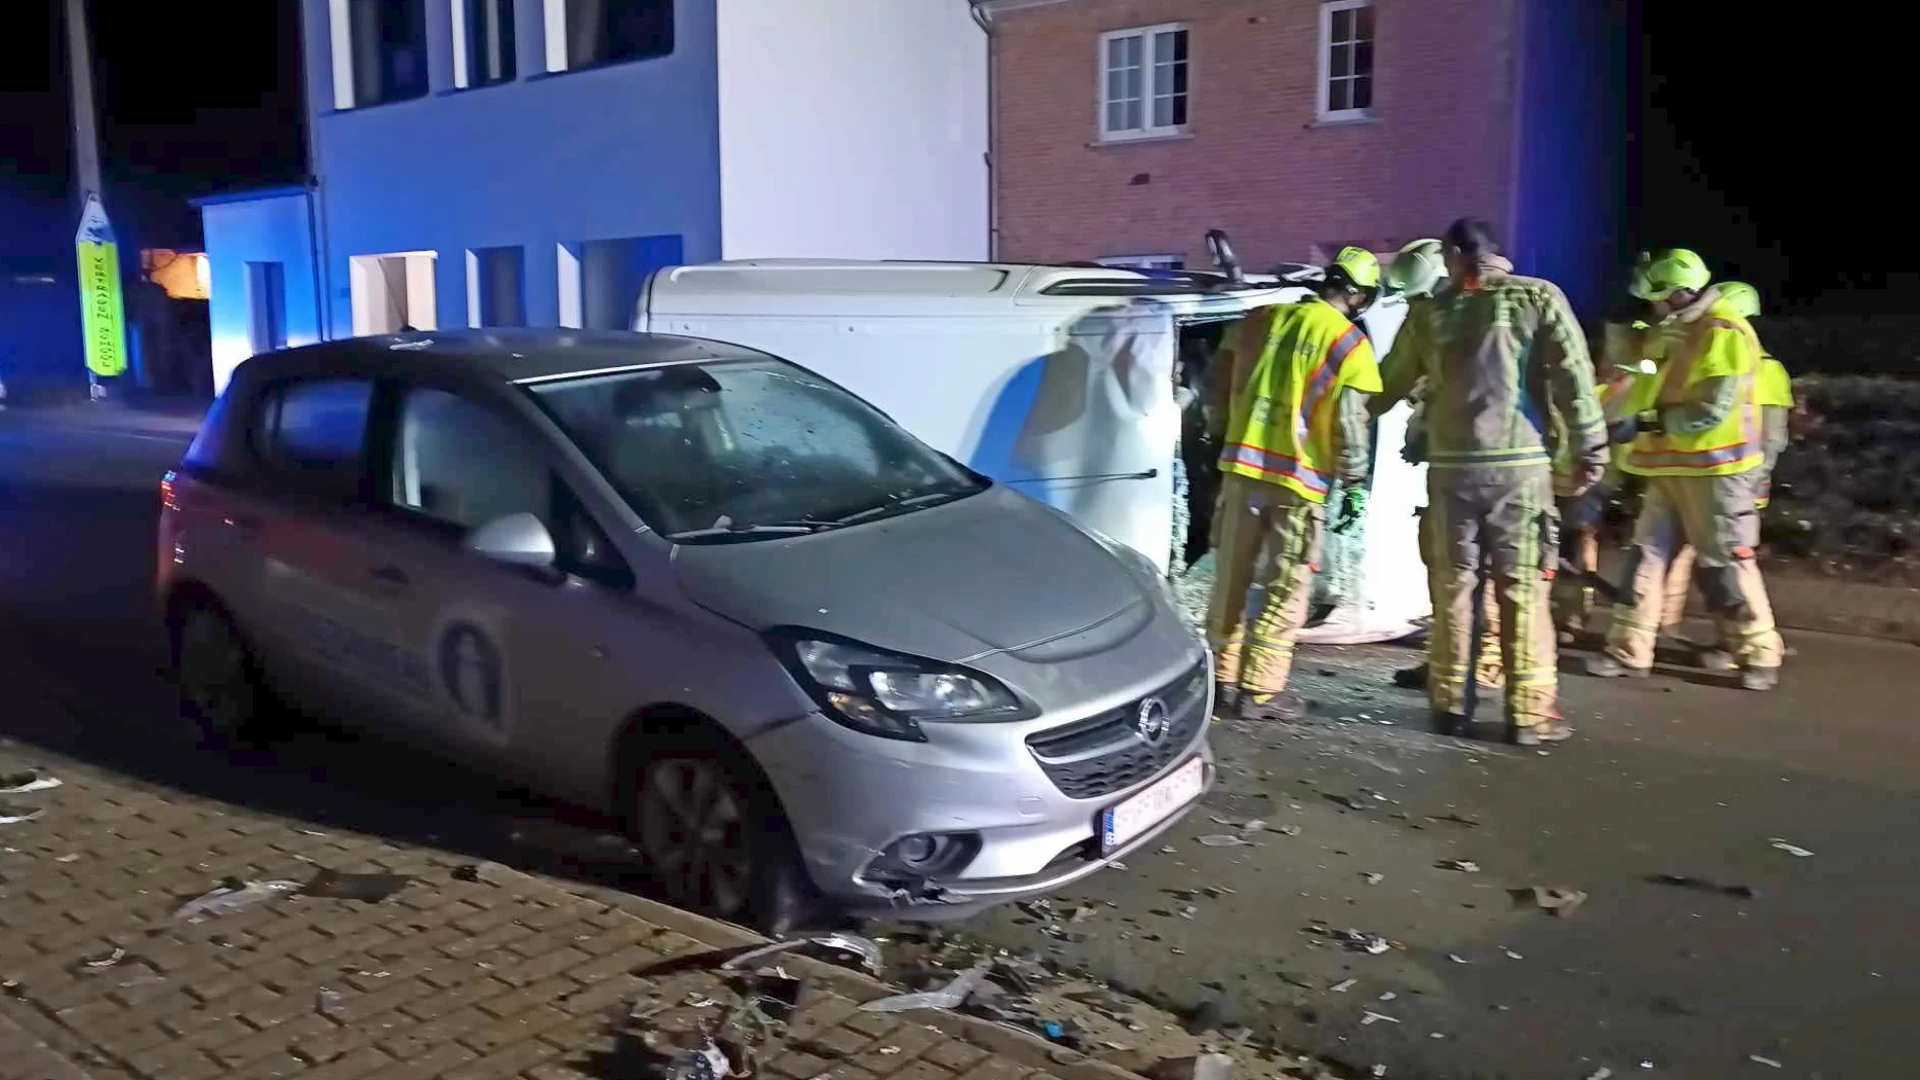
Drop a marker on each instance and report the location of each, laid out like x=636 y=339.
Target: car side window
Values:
x=313 y=432
x=462 y=464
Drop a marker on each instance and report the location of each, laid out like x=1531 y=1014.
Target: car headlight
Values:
x=889 y=694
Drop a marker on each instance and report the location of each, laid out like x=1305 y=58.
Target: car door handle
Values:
x=392 y=575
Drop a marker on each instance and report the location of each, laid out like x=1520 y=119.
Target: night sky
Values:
x=1766 y=146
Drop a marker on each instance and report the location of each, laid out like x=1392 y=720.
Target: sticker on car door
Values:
x=474 y=676
x=348 y=632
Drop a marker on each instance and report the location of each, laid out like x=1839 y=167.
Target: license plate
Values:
x=1124 y=823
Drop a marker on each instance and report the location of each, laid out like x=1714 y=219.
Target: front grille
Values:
x=1095 y=757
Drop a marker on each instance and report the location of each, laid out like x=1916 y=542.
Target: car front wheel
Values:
x=713 y=834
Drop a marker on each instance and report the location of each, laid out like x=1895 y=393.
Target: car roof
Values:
x=491 y=355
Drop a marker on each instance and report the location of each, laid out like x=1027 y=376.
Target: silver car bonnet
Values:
x=988 y=573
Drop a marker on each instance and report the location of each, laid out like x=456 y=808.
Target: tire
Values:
x=217 y=673
x=712 y=832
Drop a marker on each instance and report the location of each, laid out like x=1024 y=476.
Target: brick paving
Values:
x=507 y=975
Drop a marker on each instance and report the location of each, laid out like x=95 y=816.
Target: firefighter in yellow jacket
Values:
x=1701 y=442
x=1774 y=388
x=1500 y=355
x=1298 y=376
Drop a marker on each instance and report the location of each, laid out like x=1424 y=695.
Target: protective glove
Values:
x=1353 y=506
x=1650 y=422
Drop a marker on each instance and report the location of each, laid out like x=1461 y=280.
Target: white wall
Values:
x=852 y=129
x=273 y=228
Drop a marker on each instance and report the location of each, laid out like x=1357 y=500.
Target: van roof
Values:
x=897 y=287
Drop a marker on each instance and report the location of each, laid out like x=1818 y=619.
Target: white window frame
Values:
x=1144 y=262
x=1147 y=128
x=340 y=38
x=555 y=24
x=1321 y=96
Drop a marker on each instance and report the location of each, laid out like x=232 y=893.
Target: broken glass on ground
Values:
x=950 y=996
x=27 y=782
x=850 y=944
x=232 y=896
x=1554 y=900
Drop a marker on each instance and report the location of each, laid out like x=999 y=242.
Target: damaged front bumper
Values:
x=852 y=799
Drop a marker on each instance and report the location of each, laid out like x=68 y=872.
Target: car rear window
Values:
x=314 y=432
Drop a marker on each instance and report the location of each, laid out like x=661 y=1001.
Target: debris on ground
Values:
x=1218 y=840
x=1602 y=1073
x=231 y=896
x=1767 y=1061
x=1795 y=850
x=1458 y=959
x=1464 y=866
x=705 y=1062
x=1454 y=819
x=1357 y=940
x=330 y=1004
x=467 y=872
x=102 y=963
x=28 y=782
x=1369 y=1017
x=1197 y=1067
x=366 y=888
x=850 y=944
x=17 y=815
x=1684 y=881
x=1373 y=878
x=950 y=996
x=1554 y=900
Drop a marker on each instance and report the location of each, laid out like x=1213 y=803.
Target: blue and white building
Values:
x=528 y=162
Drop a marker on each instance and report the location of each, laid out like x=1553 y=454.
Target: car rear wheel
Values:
x=713 y=834
x=218 y=677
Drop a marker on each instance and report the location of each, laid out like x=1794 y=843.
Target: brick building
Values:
x=1124 y=129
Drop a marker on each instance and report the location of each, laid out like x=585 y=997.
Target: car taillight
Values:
x=167 y=499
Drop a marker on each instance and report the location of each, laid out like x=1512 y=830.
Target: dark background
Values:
x=1765 y=144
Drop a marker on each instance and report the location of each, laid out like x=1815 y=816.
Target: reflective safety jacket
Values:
x=1503 y=362
x=1296 y=368
x=1709 y=403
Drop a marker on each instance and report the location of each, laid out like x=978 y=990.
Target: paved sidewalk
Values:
x=469 y=976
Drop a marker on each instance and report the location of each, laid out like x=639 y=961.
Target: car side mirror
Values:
x=516 y=540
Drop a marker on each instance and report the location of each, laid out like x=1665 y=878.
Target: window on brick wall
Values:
x=1346 y=60
x=1143 y=82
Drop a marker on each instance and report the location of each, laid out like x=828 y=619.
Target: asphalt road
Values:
x=1818 y=971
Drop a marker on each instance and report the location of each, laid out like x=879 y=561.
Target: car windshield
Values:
x=747 y=450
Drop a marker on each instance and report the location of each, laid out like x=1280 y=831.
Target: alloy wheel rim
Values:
x=694 y=834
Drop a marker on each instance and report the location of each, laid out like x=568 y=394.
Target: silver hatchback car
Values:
x=802 y=656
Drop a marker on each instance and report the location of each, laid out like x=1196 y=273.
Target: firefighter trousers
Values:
x=1267 y=540
x=1500 y=523
x=1487 y=669
x=1718 y=517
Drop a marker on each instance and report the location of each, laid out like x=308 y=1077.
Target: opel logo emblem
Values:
x=1152 y=722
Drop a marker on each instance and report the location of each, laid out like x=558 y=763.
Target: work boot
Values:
x=1546 y=730
x=1412 y=678
x=1456 y=725
x=1715 y=659
x=1605 y=666
x=1272 y=707
x=1226 y=701
x=1759 y=678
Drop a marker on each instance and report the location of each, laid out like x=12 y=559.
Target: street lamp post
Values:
x=102 y=317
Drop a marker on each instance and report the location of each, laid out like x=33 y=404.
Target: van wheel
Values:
x=217 y=674
x=713 y=834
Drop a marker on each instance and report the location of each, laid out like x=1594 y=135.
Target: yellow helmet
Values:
x=1357 y=265
x=1675 y=268
x=1418 y=269
x=1742 y=297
